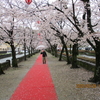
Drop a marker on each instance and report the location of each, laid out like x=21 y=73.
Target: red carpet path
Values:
x=36 y=85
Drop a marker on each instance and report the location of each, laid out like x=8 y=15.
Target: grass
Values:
x=87 y=59
x=5 y=53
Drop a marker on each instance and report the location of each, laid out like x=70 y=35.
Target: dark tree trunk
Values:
x=56 y=55
x=60 y=57
x=52 y=51
x=24 y=50
x=96 y=47
x=70 y=49
x=33 y=51
x=66 y=50
x=14 y=60
x=1 y=71
x=96 y=77
x=55 y=50
x=74 y=56
x=29 y=51
x=67 y=55
x=88 y=9
x=24 y=47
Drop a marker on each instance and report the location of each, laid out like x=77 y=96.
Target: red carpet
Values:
x=36 y=85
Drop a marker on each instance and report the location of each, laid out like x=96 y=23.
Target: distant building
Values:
x=4 y=47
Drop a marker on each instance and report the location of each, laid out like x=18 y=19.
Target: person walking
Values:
x=44 y=55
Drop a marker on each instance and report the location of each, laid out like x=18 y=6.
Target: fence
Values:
x=85 y=64
x=4 y=56
x=7 y=64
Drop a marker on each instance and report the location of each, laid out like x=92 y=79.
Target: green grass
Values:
x=5 y=53
x=87 y=59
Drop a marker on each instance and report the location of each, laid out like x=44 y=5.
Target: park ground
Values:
x=70 y=84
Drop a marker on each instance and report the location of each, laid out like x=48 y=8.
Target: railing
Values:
x=4 y=56
x=7 y=63
x=85 y=64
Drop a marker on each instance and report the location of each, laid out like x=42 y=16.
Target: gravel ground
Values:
x=13 y=76
x=64 y=78
x=69 y=82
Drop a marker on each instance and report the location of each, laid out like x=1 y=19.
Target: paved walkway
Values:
x=37 y=84
x=70 y=84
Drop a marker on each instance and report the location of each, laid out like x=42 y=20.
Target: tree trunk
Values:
x=96 y=47
x=24 y=50
x=50 y=46
x=55 y=50
x=56 y=53
x=66 y=50
x=14 y=60
x=29 y=52
x=60 y=57
x=70 y=49
x=52 y=51
x=1 y=71
x=74 y=56
x=97 y=68
x=88 y=9
x=67 y=55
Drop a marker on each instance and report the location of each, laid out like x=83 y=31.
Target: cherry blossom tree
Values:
x=55 y=23
x=52 y=41
x=85 y=26
x=92 y=26
x=11 y=16
x=64 y=21
x=7 y=27
x=83 y=18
